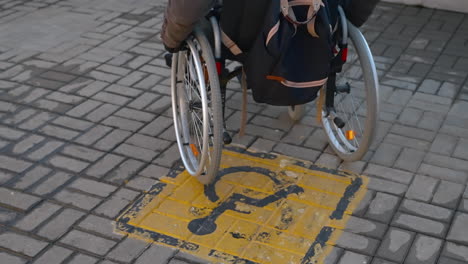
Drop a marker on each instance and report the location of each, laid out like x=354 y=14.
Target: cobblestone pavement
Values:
x=85 y=129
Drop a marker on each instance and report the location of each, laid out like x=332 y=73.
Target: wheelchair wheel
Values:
x=196 y=106
x=350 y=126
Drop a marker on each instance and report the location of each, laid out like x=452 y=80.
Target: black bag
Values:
x=290 y=59
x=359 y=11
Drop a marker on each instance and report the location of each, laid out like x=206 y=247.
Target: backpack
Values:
x=290 y=57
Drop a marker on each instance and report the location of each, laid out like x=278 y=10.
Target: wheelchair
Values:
x=347 y=110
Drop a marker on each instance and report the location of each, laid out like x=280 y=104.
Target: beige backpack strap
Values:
x=230 y=44
x=244 y=104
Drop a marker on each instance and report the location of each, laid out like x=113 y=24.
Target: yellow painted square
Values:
x=181 y=210
x=266 y=254
x=283 y=240
x=268 y=209
x=189 y=190
x=168 y=225
x=224 y=223
x=235 y=241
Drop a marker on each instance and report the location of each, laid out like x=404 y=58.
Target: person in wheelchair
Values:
x=291 y=51
x=181 y=16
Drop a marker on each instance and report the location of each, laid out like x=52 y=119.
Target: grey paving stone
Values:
x=154 y=171
x=351 y=257
x=118 y=201
x=123 y=90
x=157 y=126
x=13 y=164
x=364 y=204
x=60 y=224
x=410 y=159
x=4 y=177
x=52 y=183
x=424 y=250
x=419 y=224
x=84 y=108
x=20 y=117
x=463 y=205
x=446 y=162
x=21 y=244
x=386 y=154
x=389 y=173
x=407 y=142
x=7 y=215
x=459 y=230
x=456 y=251
x=141 y=183
x=396 y=244
x=55 y=254
x=93 y=135
x=429 y=86
x=410 y=116
x=169 y=156
x=27 y=144
x=357 y=243
x=101 y=112
x=59 y=132
x=104 y=165
x=443 y=173
x=17 y=199
x=128 y=250
x=45 y=150
x=72 y=123
x=65 y=98
x=299 y=152
x=382 y=261
x=411 y=132
x=83 y=259
x=461 y=151
x=426 y=210
x=382 y=207
x=71 y=164
x=37 y=216
x=263 y=145
x=88 y=242
x=93 y=187
x=30 y=177
x=147 y=142
x=100 y=225
x=448 y=194
x=355 y=166
x=381 y=185
x=333 y=256
x=365 y=227
x=10 y=259
x=123 y=123
x=77 y=199
x=163 y=104
x=36 y=121
x=125 y=170
x=445 y=260
x=431 y=121
x=92 y=88
x=112 y=140
x=136 y=152
x=422 y=188
x=143 y=101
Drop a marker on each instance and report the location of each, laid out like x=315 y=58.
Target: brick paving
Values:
x=85 y=129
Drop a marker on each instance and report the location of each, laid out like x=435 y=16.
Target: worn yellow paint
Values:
x=285 y=229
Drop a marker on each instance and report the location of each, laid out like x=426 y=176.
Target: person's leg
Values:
x=180 y=19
